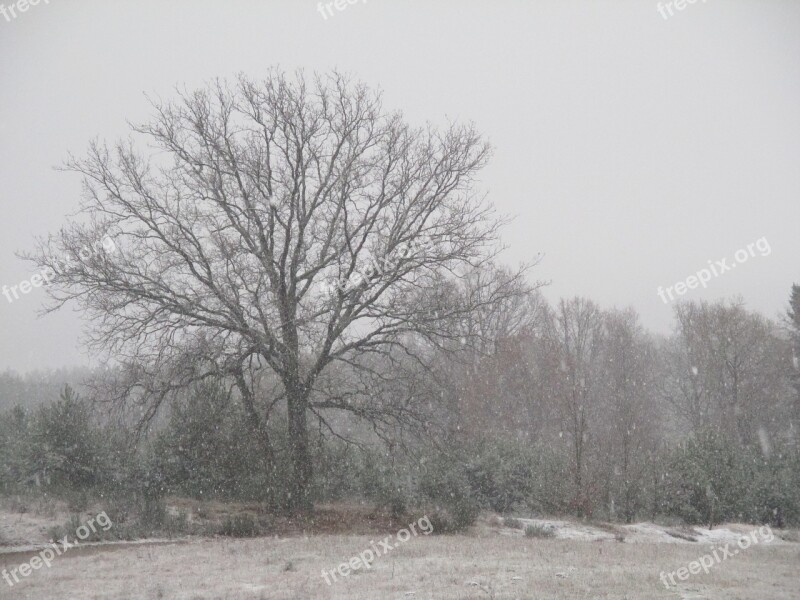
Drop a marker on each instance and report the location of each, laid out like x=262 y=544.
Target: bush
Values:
x=65 y=449
x=712 y=480
x=14 y=449
x=444 y=481
x=240 y=526
x=386 y=482
x=210 y=450
x=499 y=474
x=71 y=527
x=539 y=531
x=774 y=493
x=444 y=521
x=513 y=523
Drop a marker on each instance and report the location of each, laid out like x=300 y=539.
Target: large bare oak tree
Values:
x=286 y=225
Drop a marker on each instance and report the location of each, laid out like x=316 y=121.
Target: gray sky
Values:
x=631 y=148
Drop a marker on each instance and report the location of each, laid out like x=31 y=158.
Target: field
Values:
x=588 y=561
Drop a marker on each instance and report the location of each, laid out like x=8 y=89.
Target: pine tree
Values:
x=794 y=332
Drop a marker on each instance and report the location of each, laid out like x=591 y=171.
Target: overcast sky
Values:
x=631 y=148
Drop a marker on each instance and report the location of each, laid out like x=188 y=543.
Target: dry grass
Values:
x=36 y=505
x=684 y=533
x=789 y=535
x=440 y=567
x=492 y=562
x=326 y=519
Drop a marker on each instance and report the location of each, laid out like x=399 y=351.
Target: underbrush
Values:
x=789 y=535
x=513 y=523
x=128 y=522
x=243 y=526
x=48 y=506
x=539 y=531
x=682 y=533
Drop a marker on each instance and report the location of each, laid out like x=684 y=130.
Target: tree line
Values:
x=573 y=410
x=332 y=270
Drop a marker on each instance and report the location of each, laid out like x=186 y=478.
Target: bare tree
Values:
x=575 y=338
x=728 y=370
x=498 y=389
x=630 y=417
x=285 y=225
x=792 y=322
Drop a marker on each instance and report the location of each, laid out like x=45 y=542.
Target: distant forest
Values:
x=571 y=410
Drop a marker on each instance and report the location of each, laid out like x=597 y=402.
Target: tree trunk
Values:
x=302 y=470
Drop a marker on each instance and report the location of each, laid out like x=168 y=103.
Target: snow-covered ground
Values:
x=646 y=532
x=490 y=561
x=483 y=564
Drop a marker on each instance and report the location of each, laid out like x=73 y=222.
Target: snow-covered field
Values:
x=644 y=532
x=580 y=561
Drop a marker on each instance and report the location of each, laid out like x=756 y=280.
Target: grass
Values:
x=788 y=535
x=682 y=534
x=539 y=531
x=486 y=562
x=439 y=567
x=617 y=532
x=241 y=526
x=34 y=504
